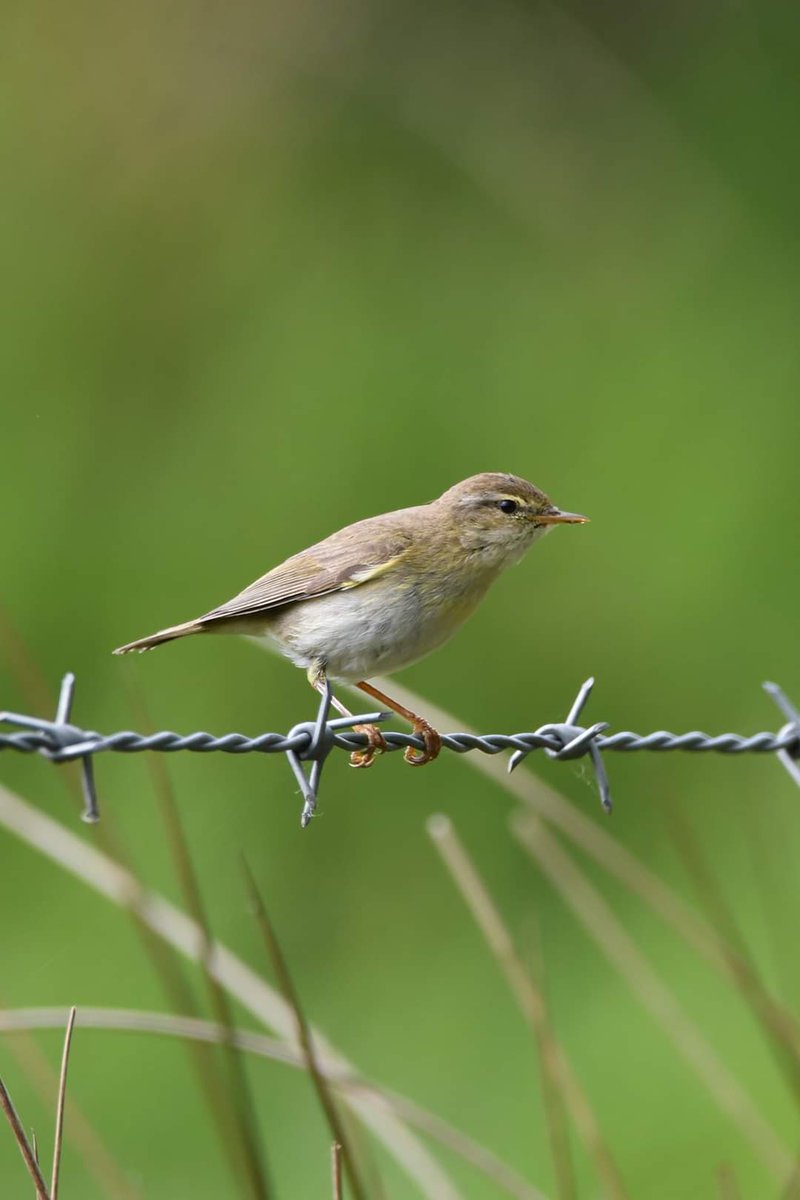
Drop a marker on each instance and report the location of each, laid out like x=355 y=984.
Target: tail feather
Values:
x=163 y=635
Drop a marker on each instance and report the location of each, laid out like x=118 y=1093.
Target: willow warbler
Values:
x=382 y=593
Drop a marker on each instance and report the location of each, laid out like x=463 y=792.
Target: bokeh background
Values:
x=270 y=269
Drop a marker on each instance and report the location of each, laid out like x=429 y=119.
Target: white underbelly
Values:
x=356 y=635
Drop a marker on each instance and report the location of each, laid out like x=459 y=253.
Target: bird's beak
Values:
x=554 y=516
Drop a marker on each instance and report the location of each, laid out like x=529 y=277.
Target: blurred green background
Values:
x=270 y=269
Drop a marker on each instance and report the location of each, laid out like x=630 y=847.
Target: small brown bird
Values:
x=384 y=592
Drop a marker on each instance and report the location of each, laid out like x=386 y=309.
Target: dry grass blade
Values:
x=547 y=803
x=197 y=1030
x=110 y=1180
x=744 y=972
x=172 y=926
x=548 y=1049
x=530 y=1000
x=336 y=1171
x=240 y=1136
x=62 y=1097
x=25 y=1147
x=610 y=935
x=304 y=1037
x=35 y=1149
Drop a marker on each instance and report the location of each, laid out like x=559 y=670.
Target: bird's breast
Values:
x=374 y=629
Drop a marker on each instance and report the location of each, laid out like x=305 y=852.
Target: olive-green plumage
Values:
x=386 y=591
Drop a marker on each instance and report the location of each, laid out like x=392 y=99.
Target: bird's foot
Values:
x=433 y=744
x=376 y=744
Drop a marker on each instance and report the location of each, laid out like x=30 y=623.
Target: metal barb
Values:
x=789 y=756
x=321 y=737
x=584 y=692
x=67 y=735
x=319 y=746
x=91 y=809
x=65 y=698
x=58 y=741
x=574 y=741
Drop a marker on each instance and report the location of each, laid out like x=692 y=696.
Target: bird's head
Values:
x=500 y=515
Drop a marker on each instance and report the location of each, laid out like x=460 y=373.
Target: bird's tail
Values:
x=163 y=635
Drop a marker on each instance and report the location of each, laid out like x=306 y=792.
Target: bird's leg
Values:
x=430 y=736
x=375 y=740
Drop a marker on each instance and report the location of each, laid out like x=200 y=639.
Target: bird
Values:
x=383 y=593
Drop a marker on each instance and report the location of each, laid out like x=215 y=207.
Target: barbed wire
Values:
x=310 y=742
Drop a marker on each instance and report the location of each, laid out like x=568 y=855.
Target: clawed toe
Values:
x=432 y=741
x=433 y=744
x=376 y=744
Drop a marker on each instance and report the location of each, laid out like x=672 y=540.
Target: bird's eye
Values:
x=507 y=506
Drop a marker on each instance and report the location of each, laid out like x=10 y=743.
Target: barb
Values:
x=312 y=741
x=575 y=741
x=59 y=735
x=788 y=755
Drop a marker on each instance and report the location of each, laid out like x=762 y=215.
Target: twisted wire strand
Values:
x=306 y=746
x=167 y=741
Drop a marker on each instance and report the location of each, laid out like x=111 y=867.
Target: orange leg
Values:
x=375 y=741
x=430 y=736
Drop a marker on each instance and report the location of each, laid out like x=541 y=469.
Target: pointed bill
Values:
x=555 y=516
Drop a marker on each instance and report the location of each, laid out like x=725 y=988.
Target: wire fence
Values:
x=308 y=744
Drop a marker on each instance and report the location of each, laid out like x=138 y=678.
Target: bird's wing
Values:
x=334 y=565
